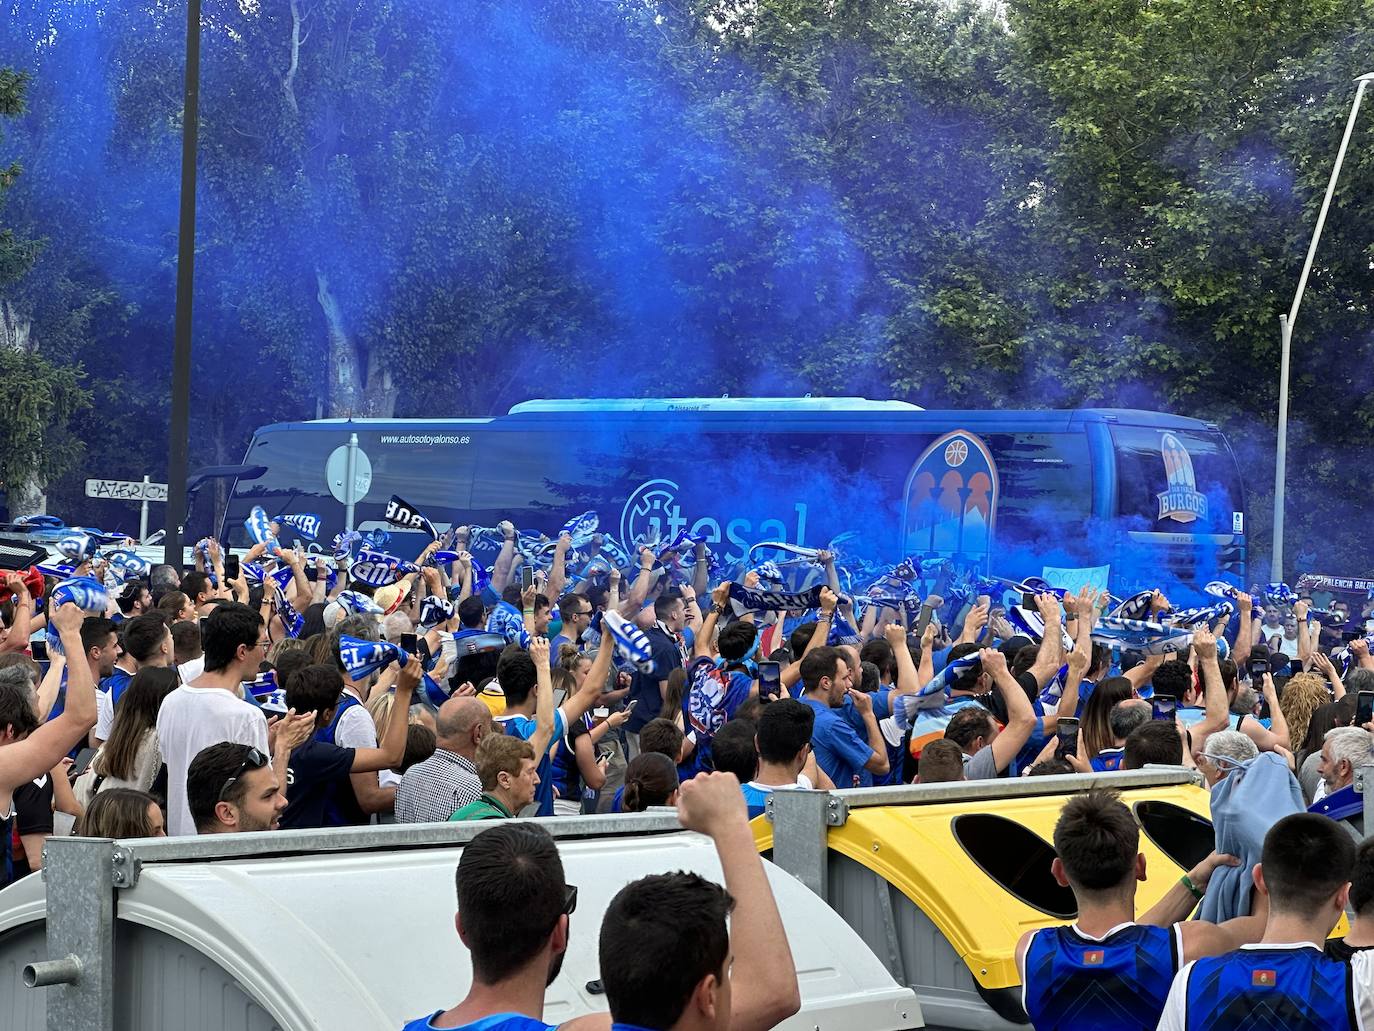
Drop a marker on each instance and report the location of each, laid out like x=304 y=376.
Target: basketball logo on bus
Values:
x=1181 y=501
x=648 y=511
x=951 y=499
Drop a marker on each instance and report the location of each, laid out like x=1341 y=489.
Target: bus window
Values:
x=1177 y=481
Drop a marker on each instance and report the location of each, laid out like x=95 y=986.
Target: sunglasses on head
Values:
x=253 y=759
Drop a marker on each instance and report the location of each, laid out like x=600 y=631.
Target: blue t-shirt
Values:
x=524 y=727
x=495 y=1022
x=1116 y=983
x=1107 y=760
x=554 y=646
x=116 y=683
x=840 y=751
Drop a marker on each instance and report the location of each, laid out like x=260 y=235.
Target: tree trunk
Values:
x=15 y=329
x=26 y=499
x=345 y=394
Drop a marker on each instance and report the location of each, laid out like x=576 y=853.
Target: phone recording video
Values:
x=1364 y=708
x=1163 y=707
x=770 y=679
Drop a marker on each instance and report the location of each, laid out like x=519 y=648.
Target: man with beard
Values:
x=232 y=788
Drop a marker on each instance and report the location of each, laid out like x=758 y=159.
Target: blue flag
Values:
x=304 y=523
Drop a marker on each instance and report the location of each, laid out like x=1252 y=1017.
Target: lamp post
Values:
x=179 y=427
x=1286 y=331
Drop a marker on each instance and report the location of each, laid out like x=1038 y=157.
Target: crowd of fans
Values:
x=274 y=692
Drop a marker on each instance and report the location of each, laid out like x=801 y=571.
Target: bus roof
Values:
x=773 y=406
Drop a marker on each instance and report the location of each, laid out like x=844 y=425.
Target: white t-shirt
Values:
x=356 y=730
x=192 y=719
x=1175 y=1016
x=104 y=715
x=191 y=671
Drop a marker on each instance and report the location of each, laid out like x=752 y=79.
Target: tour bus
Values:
x=1154 y=498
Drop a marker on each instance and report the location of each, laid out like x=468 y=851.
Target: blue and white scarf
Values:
x=362 y=658
x=630 y=641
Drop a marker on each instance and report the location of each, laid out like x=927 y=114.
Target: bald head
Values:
x=461 y=724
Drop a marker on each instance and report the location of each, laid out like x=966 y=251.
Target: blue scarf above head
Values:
x=749 y=600
x=746 y=661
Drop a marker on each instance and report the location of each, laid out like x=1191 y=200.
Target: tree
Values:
x=36 y=397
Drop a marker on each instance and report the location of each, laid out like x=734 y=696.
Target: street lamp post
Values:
x=179 y=427
x=1286 y=331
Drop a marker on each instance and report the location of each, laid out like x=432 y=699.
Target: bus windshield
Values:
x=1177 y=480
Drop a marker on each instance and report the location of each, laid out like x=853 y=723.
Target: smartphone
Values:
x=410 y=644
x=1028 y=601
x=1257 y=668
x=630 y=706
x=927 y=611
x=1364 y=707
x=1068 y=736
x=526 y=578
x=1162 y=707
x=231 y=567
x=83 y=760
x=770 y=679
x=39 y=650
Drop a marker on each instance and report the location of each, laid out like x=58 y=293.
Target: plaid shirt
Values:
x=433 y=790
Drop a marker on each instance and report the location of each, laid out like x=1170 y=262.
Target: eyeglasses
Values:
x=255 y=759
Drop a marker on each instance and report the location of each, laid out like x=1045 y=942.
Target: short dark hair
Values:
x=541 y=602
x=224 y=629
x=733 y=751
x=1362 y=878
x=186 y=639
x=314 y=689
x=16 y=706
x=1050 y=768
x=420 y=745
x=130 y=593
x=941 y=762
x=1097 y=840
x=651 y=965
x=95 y=632
x=470 y=611
x=736 y=639
x=879 y=652
x=144 y=634
x=662 y=736
x=784 y=729
x=818 y=664
x=1154 y=742
x=1173 y=678
x=196 y=583
x=1305 y=860
x=206 y=776
x=517 y=674
x=663 y=604
x=511 y=595
x=972 y=721
x=511 y=893
x=571 y=605
x=799 y=638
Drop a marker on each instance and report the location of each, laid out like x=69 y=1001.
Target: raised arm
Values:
x=17 y=637
x=391 y=747
x=505 y=561
x=587 y=696
x=1305 y=645
x=1214 y=691
x=704 y=647
x=1050 y=657
x=701 y=572
x=1020 y=716
x=908 y=679
x=38 y=753
x=763 y=981
x=639 y=590
x=792 y=673
x=558 y=572
x=1276 y=736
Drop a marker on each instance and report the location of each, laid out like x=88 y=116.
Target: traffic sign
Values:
x=126 y=490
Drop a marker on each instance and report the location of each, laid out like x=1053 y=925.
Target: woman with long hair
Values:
x=131 y=758
x=1095 y=729
x=122 y=813
x=650 y=779
x=1302 y=696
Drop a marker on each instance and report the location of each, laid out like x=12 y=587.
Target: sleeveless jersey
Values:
x=1297 y=989
x=1077 y=983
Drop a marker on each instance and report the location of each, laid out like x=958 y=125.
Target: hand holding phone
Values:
x=1163 y=707
x=1364 y=707
x=770 y=679
x=1068 y=737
